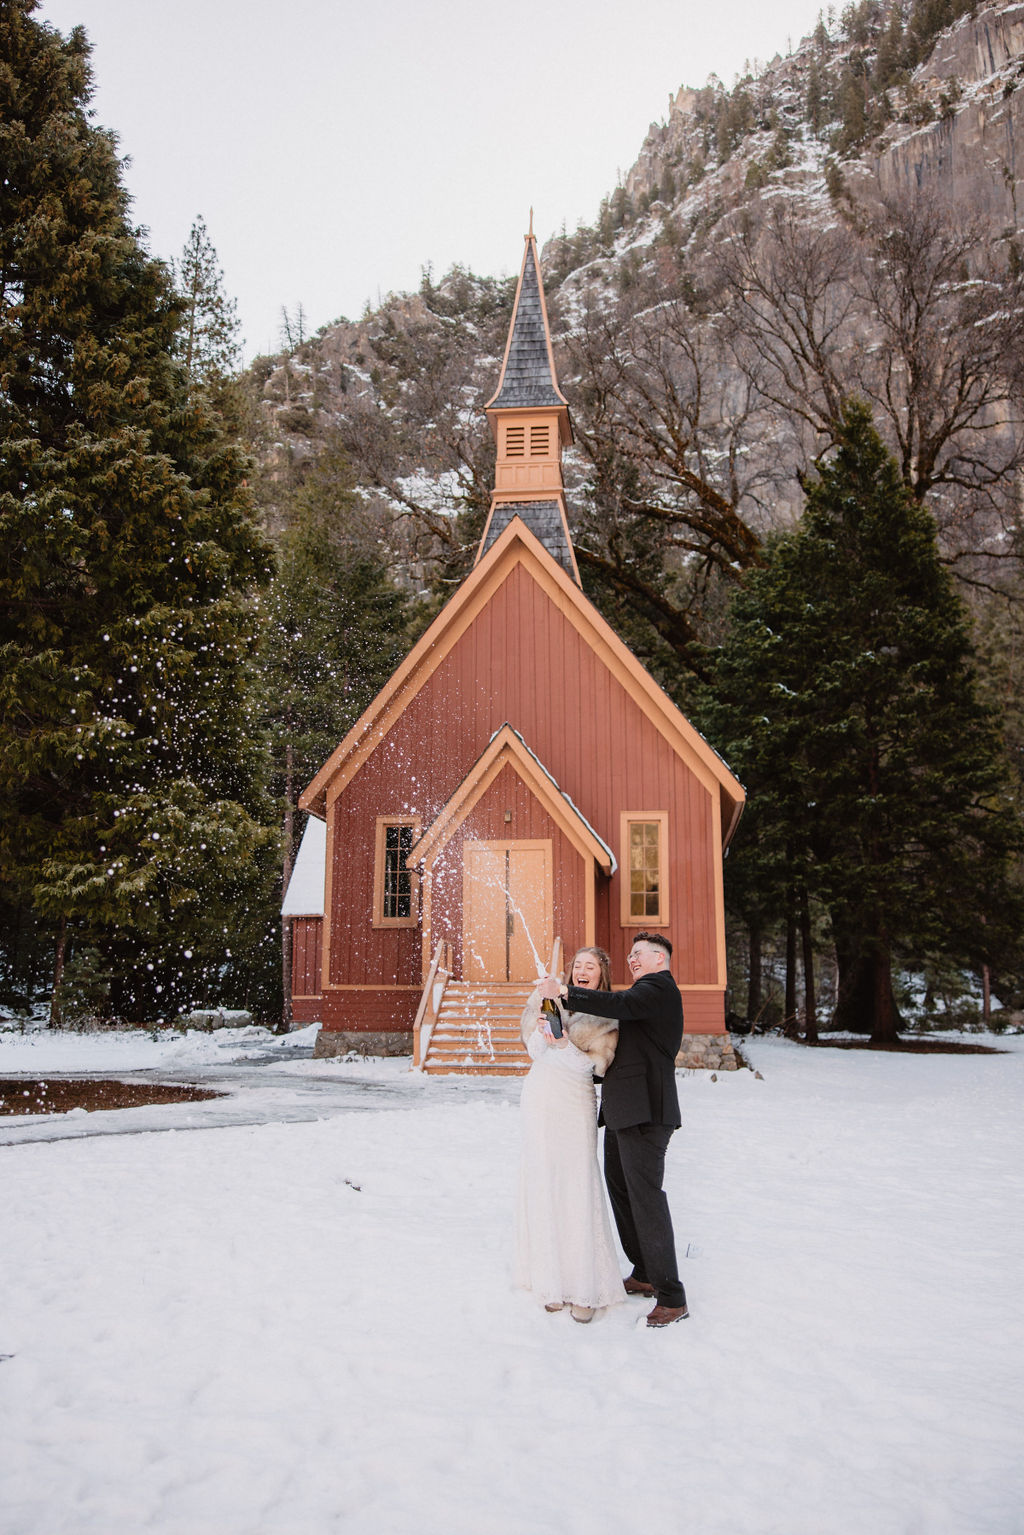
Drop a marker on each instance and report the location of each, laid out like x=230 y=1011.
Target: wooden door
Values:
x=506 y=910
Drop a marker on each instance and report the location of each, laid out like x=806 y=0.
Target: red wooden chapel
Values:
x=520 y=787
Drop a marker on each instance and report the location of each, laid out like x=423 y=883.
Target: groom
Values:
x=639 y=1110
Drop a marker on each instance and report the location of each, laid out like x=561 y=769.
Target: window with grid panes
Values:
x=397 y=891
x=395 y=900
x=644 y=869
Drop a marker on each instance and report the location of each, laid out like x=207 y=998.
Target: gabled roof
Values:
x=507 y=746
x=517 y=545
x=528 y=369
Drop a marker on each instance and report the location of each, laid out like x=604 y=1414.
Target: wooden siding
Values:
x=486 y=823
x=373 y=1009
x=307 y=957
x=360 y=952
x=521 y=660
x=704 y=1012
x=307 y=1010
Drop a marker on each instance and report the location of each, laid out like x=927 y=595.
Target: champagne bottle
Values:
x=554 y=1016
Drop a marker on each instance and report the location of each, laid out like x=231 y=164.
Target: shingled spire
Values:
x=529 y=416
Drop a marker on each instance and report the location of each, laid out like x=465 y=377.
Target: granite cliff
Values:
x=815 y=157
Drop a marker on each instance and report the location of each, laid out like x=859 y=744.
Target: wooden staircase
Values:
x=477 y=1030
x=471 y=1028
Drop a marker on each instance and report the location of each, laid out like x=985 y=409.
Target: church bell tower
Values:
x=529 y=416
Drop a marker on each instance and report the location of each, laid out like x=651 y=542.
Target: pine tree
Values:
x=852 y=110
x=889 y=57
x=333 y=621
x=847 y=701
x=209 y=345
x=334 y=629
x=131 y=779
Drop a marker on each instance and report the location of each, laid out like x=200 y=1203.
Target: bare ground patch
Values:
x=57 y=1095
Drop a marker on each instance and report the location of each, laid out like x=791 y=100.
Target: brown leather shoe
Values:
x=637 y=1287
x=662 y=1315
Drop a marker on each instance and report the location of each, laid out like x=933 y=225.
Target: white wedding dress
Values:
x=564 y=1247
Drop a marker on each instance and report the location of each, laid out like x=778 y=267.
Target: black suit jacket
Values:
x=640 y=1084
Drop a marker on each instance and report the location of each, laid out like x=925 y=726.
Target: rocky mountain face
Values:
x=762 y=259
x=967 y=156
x=957 y=119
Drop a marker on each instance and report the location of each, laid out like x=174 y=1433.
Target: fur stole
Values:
x=596 y=1037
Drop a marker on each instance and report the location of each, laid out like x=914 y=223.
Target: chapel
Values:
x=520 y=787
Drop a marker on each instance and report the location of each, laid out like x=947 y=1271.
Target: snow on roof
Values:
x=613 y=861
x=305 y=894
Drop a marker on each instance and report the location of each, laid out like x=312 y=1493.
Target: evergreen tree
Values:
x=927 y=19
x=334 y=629
x=208 y=343
x=334 y=624
x=889 y=57
x=852 y=110
x=845 y=697
x=131 y=811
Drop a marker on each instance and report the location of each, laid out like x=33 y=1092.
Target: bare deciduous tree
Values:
x=912 y=310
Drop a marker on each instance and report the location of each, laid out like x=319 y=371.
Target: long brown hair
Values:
x=603 y=959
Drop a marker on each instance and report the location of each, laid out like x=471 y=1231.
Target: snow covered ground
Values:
x=306 y=1325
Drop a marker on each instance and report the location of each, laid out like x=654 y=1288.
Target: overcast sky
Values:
x=335 y=149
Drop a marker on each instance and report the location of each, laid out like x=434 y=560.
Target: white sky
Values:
x=335 y=149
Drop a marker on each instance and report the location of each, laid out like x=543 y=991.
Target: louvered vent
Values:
x=539 y=439
x=515 y=442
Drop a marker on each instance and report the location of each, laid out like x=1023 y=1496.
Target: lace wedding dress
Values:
x=564 y=1247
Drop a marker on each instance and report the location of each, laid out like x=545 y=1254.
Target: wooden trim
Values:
x=516 y=545
x=426 y=915
x=719 y=876
x=705 y=988
x=325 y=931
x=380 y=832
x=626 y=918
x=379 y=986
x=426 y=1013
x=507 y=748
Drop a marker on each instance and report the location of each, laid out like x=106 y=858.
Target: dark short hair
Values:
x=657 y=939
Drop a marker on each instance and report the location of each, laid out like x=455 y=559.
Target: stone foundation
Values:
x=707 y=1052
x=700 y=1052
x=330 y=1042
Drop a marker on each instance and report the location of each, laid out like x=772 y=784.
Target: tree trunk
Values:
x=864 y=974
x=886 y=1019
x=986 y=994
x=287 y=1018
x=810 y=1006
x=789 y=1021
x=754 y=969
x=56 y=1018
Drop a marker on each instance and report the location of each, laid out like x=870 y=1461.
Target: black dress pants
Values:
x=634 y=1170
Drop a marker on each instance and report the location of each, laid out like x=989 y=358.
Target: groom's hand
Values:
x=550 y=986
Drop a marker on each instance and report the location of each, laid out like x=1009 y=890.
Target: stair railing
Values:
x=438 y=977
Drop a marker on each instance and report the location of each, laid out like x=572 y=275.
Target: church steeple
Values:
x=529 y=416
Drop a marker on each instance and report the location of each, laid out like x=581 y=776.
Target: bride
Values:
x=564 y=1250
